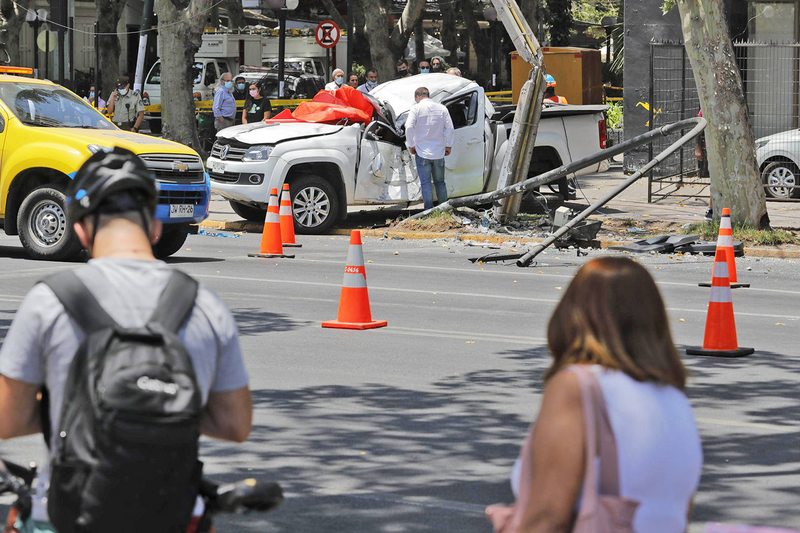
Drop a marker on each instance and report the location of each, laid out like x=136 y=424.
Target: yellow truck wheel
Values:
x=44 y=230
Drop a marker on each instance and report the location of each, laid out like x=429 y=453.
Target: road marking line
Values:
x=520 y=272
x=463 y=335
x=772 y=428
x=466 y=294
x=32 y=271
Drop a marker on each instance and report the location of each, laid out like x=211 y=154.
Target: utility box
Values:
x=578 y=73
x=244 y=46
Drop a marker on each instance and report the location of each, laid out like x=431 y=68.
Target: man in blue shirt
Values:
x=224 y=107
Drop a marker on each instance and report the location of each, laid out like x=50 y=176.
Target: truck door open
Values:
x=385 y=172
x=464 y=167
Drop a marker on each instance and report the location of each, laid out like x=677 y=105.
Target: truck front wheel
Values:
x=315 y=204
x=172 y=238
x=44 y=230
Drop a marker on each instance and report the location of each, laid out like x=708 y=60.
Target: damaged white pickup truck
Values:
x=332 y=166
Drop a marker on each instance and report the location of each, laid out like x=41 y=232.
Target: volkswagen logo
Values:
x=223 y=152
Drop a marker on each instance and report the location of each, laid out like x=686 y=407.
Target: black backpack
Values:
x=125 y=449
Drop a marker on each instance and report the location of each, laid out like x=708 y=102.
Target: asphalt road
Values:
x=414 y=427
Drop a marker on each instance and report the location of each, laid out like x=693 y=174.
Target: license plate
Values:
x=218 y=167
x=181 y=210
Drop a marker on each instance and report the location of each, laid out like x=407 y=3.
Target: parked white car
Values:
x=778 y=156
x=331 y=167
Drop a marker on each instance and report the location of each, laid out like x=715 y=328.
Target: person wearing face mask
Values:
x=126 y=106
x=90 y=97
x=402 y=69
x=352 y=80
x=224 y=107
x=371 y=83
x=239 y=88
x=424 y=66
x=438 y=64
x=337 y=80
x=256 y=107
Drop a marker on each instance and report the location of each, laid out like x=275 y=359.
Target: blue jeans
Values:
x=427 y=169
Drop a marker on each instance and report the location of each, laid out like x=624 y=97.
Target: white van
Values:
x=206 y=72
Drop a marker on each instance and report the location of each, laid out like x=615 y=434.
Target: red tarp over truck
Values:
x=332 y=106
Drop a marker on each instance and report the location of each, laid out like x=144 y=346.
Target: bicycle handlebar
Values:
x=248 y=494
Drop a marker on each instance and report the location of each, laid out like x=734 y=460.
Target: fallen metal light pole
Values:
x=697 y=125
x=526 y=259
x=552 y=175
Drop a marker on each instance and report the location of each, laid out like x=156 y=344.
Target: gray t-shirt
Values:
x=43 y=339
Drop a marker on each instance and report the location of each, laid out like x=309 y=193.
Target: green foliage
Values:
x=668 y=5
x=359 y=69
x=594 y=10
x=614 y=115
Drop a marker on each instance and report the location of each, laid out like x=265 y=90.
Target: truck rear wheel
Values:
x=172 y=238
x=315 y=204
x=248 y=212
x=44 y=230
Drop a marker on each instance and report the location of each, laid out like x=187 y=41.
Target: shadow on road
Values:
x=386 y=458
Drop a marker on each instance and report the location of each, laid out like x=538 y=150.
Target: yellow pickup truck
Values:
x=46 y=133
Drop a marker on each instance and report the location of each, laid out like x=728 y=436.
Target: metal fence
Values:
x=771 y=81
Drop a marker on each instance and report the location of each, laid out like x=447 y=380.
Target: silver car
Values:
x=778 y=156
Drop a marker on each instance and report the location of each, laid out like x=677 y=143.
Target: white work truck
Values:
x=330 y=167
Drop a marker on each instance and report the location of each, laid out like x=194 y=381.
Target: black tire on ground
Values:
x=781 y=179
x=154 y=125
x=315 y=204
x=44 y=230
x=248 y=212
x=172 y=238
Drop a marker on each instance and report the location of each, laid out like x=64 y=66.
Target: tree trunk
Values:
x=377 y=33
x=235 y=14
x=401 y=32
x=108 y=14
x=334 y=13
x=560 y=21
x=180 y=26
x=387 y=47
x=13 y=17
x=735 y=180
x=480 y=42
x=361 y=47
x=449 y=31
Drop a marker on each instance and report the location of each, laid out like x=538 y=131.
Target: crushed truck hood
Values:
x=275 y=132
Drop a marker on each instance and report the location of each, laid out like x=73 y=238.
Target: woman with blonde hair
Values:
x=611 y=322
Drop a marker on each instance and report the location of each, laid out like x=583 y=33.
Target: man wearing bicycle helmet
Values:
x=110 y=205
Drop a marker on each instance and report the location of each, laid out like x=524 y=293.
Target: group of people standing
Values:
x=257 y=106
x=125 y=106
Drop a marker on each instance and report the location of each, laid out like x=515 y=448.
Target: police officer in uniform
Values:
x=126 y=106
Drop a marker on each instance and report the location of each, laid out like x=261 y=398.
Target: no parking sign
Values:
x=327 y=34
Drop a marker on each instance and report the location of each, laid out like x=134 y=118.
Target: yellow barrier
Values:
x=500 y=94
x=206 y=105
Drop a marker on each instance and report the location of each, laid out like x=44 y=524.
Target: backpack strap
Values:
x=176 y=301
x=79 y=301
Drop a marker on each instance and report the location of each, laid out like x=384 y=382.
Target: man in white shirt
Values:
x=337 y=80
x=429 y=137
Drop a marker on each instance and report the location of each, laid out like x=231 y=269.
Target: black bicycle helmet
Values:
x=112 y=182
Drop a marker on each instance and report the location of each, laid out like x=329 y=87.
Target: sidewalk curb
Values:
x=776 y=252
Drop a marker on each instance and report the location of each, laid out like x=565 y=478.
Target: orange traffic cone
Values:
x=271 y=236
x=354 y=310
x=720 y=337
x=287 y=219
x=725 y=241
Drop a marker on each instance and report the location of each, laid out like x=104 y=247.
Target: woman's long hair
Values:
x=612 y=314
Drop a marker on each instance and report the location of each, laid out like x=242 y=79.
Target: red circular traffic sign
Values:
x=327 y=34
